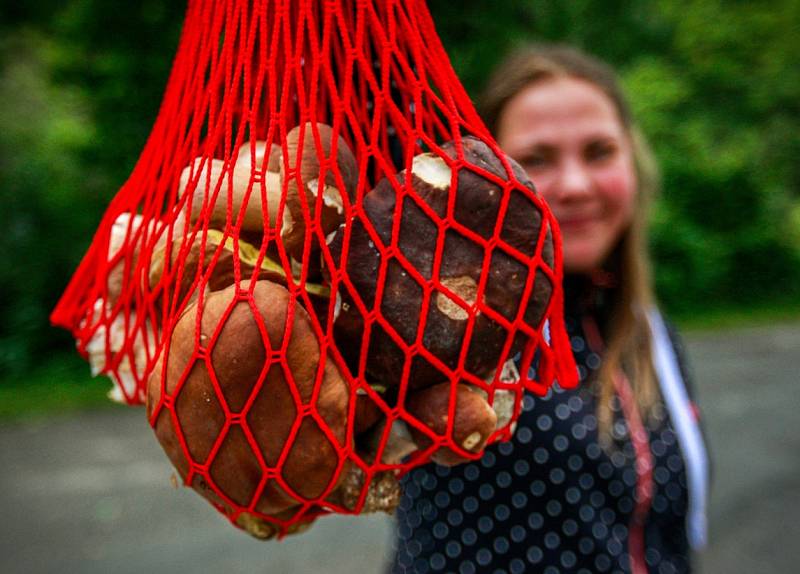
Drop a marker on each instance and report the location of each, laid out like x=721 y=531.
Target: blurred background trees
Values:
x=714 y=83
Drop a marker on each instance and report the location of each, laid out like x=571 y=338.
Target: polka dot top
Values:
x=552 y=499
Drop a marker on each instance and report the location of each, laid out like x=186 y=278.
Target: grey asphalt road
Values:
x=92 y=493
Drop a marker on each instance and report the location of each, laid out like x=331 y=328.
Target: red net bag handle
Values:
x=322 y=267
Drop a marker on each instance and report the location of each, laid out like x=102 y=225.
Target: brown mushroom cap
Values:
x=308 y=170
x=367 y=413
x=474 y=421
x=477 y=207
x=267 y=401
x=208 y=183
x=247 y=153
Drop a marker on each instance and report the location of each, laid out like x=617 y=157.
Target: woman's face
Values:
x=566 y=134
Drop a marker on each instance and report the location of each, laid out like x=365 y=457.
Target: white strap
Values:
x=686 y=426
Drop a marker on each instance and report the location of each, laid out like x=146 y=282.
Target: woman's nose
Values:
x=574 y=180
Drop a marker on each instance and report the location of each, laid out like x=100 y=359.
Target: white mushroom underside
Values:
x=331 y=196
x=471 y=441
x=465 y=288
x=337 y=307
x=432 y=169
x=119 y=232
x=509 y=373
x=502 y=405
x=108 y=341
x=288 y=222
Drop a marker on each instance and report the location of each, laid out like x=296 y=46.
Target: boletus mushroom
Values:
x=453 y=283
x=209 y=181
x=308 y=147
x=121 y=240
x=474 y=420
x=118 y=332
x=243 y=414
x=253 y=155
x=218 y=257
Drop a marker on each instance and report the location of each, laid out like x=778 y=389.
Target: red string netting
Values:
x=322 y=272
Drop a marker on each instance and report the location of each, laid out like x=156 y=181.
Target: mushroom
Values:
x=206 y=177
x=503 y=401
x=220 y=273
x=454 y=289
x=382 y=493
x=230 y=371
x=121 y=334
x=397 y=446
x=120 y=331
x=367 y=412
x=473 y=424
x=123 y=242
x=254 y=155
x=305 y=165
x=123 y=231
x=265 y=529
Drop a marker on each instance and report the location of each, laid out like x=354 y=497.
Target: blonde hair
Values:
x=628 y=332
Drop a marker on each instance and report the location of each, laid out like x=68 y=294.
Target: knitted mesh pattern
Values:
x=259 y=353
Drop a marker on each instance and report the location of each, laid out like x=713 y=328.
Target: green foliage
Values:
x=726 y=171
x=80 y=85
x=59 y=385
x=48 y=211
x=715 y=85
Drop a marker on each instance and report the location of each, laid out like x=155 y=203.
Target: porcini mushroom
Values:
x=222 y=376
x=454 y=289
x=209 y=181
x=305 y=155
x=474 y=420
x=219 y=273
x=121 y=334
x=123 y=232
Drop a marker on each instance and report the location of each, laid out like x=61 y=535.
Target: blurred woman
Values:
x=610 y=477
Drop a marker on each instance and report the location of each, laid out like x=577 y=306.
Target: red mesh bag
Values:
x=322 y=268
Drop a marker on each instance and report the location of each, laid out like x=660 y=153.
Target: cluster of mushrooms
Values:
x=289 y=416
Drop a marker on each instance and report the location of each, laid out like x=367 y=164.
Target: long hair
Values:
x=628 y=336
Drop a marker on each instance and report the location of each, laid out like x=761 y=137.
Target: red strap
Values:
x=644 y=457
x=644 y=472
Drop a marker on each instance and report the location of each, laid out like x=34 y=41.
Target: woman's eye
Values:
x=600 y=151
x=533 y=161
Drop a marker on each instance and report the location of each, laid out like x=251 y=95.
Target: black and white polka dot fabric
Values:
x=552 y=499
